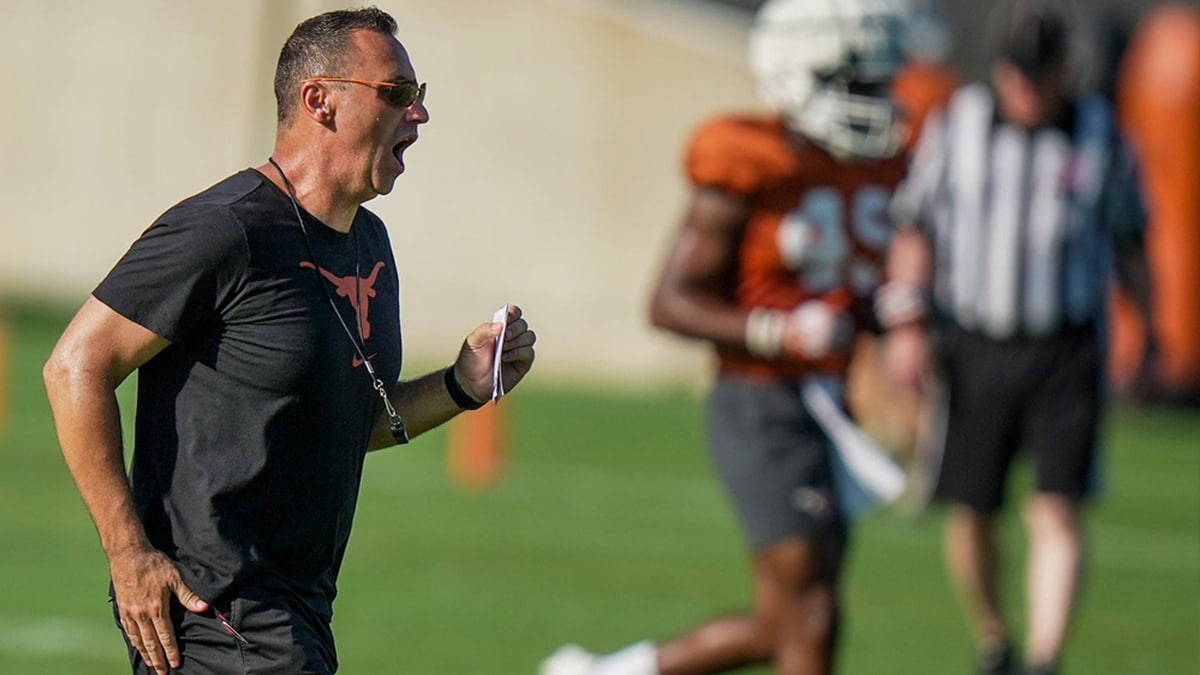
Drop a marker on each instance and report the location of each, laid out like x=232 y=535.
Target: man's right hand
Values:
x=144 y=581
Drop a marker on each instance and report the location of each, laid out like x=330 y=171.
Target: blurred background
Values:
x=549 y=176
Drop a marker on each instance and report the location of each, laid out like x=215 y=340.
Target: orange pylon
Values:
x=478 y=449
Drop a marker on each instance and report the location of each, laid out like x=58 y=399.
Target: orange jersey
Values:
x=818 y=227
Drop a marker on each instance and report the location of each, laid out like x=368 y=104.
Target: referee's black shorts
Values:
x=283 y=636
x=1040 y=396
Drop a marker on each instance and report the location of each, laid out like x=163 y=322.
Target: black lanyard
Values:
x=395 y=422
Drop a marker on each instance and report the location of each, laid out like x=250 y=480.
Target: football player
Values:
x=774 y=265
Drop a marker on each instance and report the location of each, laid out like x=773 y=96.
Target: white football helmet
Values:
x=826 y=66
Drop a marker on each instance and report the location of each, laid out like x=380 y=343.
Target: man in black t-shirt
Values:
x=263 y=318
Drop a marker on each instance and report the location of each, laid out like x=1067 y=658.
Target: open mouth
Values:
x=399 y=148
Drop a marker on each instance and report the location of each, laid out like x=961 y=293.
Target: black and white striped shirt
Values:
x=1021 y=221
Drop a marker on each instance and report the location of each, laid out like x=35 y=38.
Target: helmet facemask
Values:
x=826 y=67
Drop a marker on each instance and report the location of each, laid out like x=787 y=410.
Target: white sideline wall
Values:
x=549 y=174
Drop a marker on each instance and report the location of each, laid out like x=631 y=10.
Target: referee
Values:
x=1020 y=201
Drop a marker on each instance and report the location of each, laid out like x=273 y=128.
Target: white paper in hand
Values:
x=501 y=317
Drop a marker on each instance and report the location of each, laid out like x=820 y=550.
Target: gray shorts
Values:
x=773 y=460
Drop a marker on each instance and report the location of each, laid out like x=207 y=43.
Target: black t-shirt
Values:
x=253 y=424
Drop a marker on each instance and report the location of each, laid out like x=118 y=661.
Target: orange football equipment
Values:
x=817 y=229
x=1159 y=98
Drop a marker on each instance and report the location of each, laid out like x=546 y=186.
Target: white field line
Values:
x=54 y=636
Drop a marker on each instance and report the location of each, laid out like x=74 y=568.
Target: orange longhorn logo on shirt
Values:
x=359 y=292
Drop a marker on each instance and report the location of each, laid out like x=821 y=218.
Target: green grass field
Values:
x=607 y=529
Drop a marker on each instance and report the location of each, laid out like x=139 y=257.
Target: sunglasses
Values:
x=399 y=94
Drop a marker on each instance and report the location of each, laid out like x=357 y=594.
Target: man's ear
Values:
x=315 y=103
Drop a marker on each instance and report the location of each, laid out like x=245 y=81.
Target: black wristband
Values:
x=461 y=398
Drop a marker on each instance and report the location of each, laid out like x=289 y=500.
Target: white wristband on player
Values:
x=764 y=332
